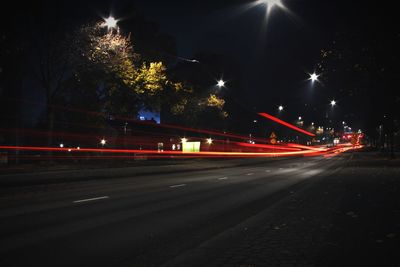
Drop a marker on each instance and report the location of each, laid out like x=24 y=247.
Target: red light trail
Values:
x=265 y=115
x=161 y=154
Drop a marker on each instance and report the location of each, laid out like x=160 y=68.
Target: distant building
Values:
x=145 y=115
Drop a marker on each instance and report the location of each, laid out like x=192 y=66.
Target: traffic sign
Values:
x=273 y=138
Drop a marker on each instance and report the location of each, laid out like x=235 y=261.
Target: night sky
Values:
x=273 y=57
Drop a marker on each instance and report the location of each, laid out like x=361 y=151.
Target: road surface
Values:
x=313 y=211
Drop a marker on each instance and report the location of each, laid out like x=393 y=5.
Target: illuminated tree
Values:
x=106 y=64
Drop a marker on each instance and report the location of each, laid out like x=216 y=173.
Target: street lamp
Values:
x=333 y=103
x=183 y=140
x=300 y=118
x=110 y=23
x=314 y=77
x=209 y=141
x=270 y=4
x=188 y=60
x=221 y=83
x=280 y=108
x=103 y=142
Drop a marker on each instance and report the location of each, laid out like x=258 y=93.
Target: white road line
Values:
x=178 y=185
x=223 y=178
x=250 y=174
x=91 y=199
x=268 y=171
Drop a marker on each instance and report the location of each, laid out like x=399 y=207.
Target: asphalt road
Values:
x=272 y=214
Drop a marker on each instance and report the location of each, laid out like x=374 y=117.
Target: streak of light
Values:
x=91 y=199
x=129 y=119
x=286 y=124
x=178 y=185
x=275 y=147
x=179 y=154
x=156 y=152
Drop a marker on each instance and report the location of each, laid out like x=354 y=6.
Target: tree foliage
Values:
x=104 y=61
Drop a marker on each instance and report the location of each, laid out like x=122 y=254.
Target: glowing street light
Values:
x=280 y=108
x=333 y=103
x=270 y=4
x=184 y=140
x=103 y=142
x=61 y=145
x=314 y=77
x=300 y=118
x=189 y=60
x=110 y=23
x=209 y=141
x=221 y=83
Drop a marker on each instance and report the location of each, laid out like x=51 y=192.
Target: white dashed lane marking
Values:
x=178 y=185
x=91 y=199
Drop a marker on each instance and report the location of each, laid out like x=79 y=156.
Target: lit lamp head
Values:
x=314 y=77
x=221 y=83
x=110 y=23
x=270 y=4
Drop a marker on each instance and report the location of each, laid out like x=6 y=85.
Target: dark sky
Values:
x=274 y=57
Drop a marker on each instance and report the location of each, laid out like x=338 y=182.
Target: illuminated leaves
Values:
x=151 y=79
x=106 y=60
x=215 y=101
